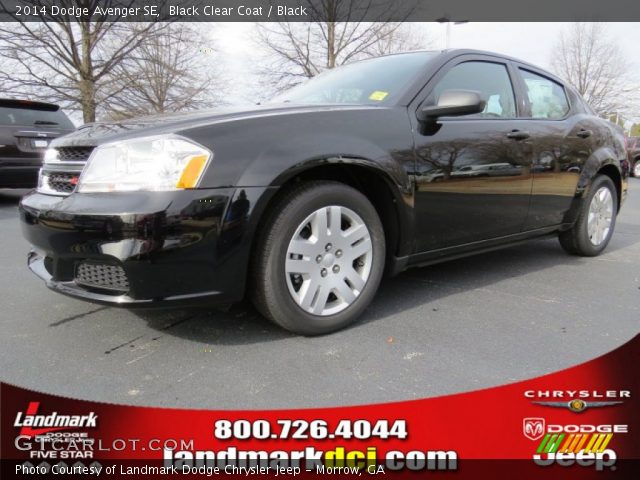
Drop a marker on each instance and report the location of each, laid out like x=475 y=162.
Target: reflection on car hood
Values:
x=93 y=134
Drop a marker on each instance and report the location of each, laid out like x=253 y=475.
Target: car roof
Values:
x=469 y=51
x=456 y=52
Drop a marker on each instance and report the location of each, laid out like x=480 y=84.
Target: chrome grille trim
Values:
x=74 y=154
x=61 y=182
x=56 y=176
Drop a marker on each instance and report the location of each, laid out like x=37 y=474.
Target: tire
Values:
x=635 y=169
x=580 y=240
x=291 y=288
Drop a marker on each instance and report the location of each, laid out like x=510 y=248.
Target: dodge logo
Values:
x=533 y=428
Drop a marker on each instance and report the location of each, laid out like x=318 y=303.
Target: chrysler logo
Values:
x=533 y=428
x=577 y=405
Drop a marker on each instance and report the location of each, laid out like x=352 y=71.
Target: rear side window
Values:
x=490 y=79
x=32 y=117
x=546 y=97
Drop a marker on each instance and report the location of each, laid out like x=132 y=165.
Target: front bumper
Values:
x=171 y=247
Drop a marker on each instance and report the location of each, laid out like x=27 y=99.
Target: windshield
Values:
x=370 y=82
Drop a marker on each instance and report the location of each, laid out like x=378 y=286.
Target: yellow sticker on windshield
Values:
x=378 y=95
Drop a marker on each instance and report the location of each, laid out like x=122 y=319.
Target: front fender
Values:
x=281 y=162
x=393 y=176
x=269 y=151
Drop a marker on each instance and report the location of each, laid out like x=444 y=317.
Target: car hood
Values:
x=94 y=134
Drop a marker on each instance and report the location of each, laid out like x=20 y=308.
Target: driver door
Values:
x=473 y=179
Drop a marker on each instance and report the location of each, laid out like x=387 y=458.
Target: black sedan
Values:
x=303 y=203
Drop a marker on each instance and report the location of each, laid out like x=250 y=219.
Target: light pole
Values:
x=449 y=22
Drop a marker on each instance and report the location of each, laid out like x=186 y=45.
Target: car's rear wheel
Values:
x=636 y=168
x=319 y=258
x=594 y=227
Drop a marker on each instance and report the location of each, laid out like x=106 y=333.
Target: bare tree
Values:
x=67 y=61
x=302 y=50
x=170 y=72
x=593 y=63
x=405 y=38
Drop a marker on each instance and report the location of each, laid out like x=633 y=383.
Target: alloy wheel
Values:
x=600 y=216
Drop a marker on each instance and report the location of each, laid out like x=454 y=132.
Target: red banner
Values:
x=577 y=423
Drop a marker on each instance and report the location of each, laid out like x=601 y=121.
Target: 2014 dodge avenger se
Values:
x=388 y=163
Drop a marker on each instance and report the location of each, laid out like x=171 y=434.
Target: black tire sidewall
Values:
x=288 y=313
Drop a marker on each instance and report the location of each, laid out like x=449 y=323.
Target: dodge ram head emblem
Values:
x=533 y=428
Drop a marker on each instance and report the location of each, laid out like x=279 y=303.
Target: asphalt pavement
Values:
x=477 y=322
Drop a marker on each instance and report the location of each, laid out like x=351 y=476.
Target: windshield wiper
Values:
x=45 y=122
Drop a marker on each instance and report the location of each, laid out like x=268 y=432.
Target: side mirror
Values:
x=453 y=103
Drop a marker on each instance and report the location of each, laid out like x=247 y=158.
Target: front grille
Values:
x=101 y=276
x=62 y=182
x=74 y=154
x=61 y=176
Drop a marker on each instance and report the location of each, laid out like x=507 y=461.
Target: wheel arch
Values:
x=602 y=161
x=392 y=202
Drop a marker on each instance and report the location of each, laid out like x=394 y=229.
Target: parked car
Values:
x=633 y=155
x=26 y=129
x=304 y=202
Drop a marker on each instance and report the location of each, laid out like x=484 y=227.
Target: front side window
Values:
x=547 y=98
x=490 y=79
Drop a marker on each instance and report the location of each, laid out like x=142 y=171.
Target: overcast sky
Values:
x=532 y=42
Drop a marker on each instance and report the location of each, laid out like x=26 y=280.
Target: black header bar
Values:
x=318 y=10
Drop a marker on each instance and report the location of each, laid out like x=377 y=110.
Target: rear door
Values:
x=474 y=179
x=562 y=138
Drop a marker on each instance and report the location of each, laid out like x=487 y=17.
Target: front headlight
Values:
x=152 y=163
x=50 y=155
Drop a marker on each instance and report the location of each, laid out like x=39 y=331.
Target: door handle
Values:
x=518 y=135
x=584 y=133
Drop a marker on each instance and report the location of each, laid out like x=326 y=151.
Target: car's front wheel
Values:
x=594 y=227
x=636 y=168
x=319 y=258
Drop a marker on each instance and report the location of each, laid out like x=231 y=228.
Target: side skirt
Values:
x=400 y=264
